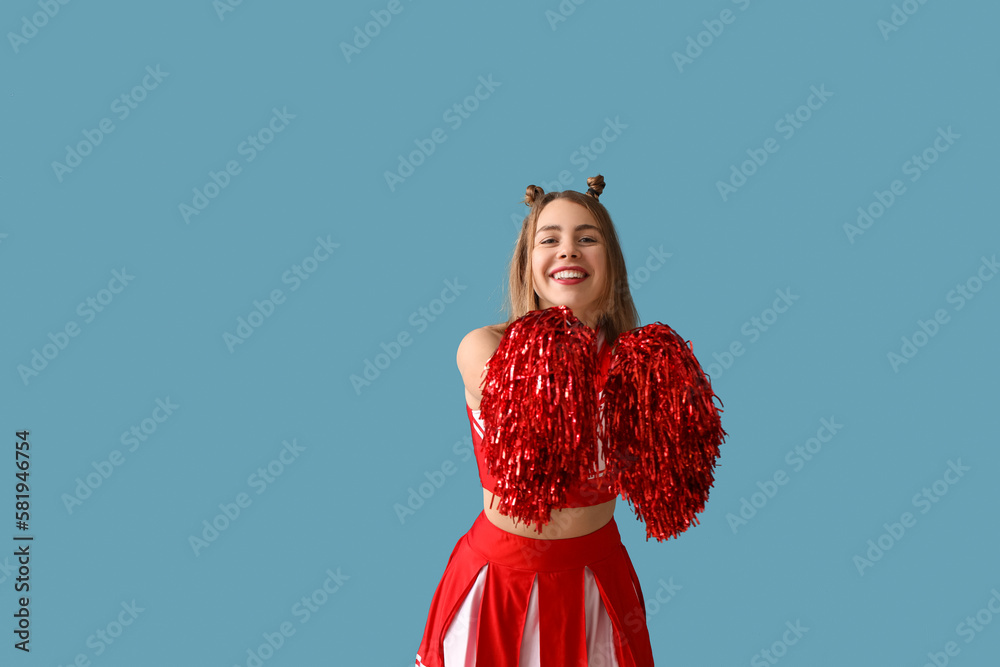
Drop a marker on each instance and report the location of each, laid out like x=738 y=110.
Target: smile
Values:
x=569 y=277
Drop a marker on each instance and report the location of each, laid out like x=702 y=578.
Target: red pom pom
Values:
x=661 y=429
x=540 y=412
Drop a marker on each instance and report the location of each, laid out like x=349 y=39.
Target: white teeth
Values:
x=562 y=275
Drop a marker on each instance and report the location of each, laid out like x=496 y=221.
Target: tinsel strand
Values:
x=540 y=412
x=661 y=429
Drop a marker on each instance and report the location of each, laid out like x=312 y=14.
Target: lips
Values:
x=572 y=269
x=569 y=275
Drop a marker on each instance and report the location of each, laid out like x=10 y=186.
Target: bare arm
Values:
x=474 y=352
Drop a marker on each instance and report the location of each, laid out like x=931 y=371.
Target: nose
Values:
x=568 y=249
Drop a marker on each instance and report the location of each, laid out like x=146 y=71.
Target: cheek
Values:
x=604 y=277
x=600 y=262
x=535 y=271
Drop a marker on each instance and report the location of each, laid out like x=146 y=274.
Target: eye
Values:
x=583 y=239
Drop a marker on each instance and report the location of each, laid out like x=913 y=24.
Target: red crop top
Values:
x=593 y=490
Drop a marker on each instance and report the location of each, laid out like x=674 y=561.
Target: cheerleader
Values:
x=570 y=403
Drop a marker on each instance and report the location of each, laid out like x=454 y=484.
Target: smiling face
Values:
x=569 y=260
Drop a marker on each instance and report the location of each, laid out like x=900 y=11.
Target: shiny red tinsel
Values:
x=540 y=411
x=661 y=430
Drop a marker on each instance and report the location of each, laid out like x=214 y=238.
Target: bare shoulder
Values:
x=478 y=346
x=474 y=352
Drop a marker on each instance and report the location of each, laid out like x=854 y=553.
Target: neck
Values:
x=588 y=319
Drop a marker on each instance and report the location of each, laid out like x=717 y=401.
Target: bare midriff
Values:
x=563 y=523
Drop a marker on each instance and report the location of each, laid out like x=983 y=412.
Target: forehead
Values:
x=564 y=215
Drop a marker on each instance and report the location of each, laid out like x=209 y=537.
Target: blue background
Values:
x=681 y=130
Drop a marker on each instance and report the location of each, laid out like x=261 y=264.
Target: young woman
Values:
x=565 y=595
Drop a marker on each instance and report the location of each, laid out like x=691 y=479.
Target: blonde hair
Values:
x=616 y=311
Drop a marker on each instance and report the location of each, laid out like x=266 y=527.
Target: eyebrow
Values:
x=585 y=225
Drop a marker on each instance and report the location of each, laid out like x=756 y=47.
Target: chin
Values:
x=575 y=306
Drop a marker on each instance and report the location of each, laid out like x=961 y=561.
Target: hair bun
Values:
x=532 y=194
x=595 y=186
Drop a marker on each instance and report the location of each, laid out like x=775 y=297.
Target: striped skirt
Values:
x=512 y=601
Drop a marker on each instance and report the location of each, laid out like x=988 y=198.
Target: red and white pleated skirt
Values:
x=512 y=601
